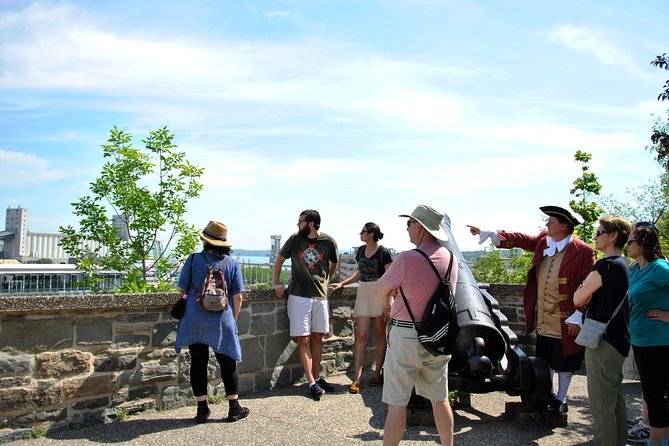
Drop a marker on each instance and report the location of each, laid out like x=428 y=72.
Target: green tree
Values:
x=585 y=187
x=149 y=188
x=660 y=135
x=493 y=267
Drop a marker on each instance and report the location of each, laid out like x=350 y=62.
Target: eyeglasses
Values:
x=630 y=241
x=411 y=221
x=598 y=233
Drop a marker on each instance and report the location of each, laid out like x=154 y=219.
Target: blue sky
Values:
x=360 y=109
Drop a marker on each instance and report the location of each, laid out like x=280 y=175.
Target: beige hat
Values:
x=430 y=219
x=216 y=234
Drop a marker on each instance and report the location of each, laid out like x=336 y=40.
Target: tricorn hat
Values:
x=557 y=211
x=216 y=234
x=430 y=219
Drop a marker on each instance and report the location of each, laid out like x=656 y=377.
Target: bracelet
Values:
x=274 y=287
x=387 y=307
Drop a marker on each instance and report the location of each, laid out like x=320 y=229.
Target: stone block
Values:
x=114 y=362
x=244 y=322
x=54 y=416
x=137 y=317
x=89 y=386
x=93 y=403
x=15 y=381
x=510 y=313
x=53 y=365
x=252 y=354
x=282 y=321
x=337 y=345
x=264 y=307
x=247 y=384
x=25 y=398
x=174 y=397
x=130 y=340
x=341 y=310
x=128 y=378
x=262 y=324
x=15 y=364
x=136 y=393
x=93 y=331
x=164 y=334
x=280 y=350
x=342 y=328
x=138 y=405
x=158 y=370
x=37 y=334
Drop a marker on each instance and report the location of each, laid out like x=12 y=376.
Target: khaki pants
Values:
x=604 y=367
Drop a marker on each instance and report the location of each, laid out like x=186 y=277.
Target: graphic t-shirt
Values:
x=373 y=267
x=310 y=263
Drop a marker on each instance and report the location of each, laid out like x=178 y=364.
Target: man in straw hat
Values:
x=313 y=260
x=407 y=363
x=560 y=263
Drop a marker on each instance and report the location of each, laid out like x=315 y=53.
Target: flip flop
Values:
x=354 y=389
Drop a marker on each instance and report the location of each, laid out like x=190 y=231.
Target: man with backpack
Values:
x=408 y=364
x=313 y=260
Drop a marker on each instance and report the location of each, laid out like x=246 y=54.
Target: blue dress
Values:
x=218 y=330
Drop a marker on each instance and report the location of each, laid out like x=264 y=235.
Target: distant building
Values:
x=276 y=247
x=25 y=246
x=120 y=223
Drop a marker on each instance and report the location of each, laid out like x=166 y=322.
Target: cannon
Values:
x=486 y=356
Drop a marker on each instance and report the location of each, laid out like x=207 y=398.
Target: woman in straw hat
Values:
x=200 y=329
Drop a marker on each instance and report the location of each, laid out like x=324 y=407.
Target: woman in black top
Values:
x=602 y=291
x=373 y=260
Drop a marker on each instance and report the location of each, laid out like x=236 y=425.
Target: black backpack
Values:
x=439 y=328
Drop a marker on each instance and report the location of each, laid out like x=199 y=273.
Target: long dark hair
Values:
x=648 y=237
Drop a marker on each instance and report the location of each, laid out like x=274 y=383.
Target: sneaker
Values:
x=557 y=407
x=237 y=413
x=639 y=433
x=325 y=385
x=631 y=422
x=316 y=391
x=203 y=413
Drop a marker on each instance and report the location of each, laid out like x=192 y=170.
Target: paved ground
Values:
x=288 y=417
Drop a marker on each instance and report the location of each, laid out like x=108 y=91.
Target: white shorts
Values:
x=307 y=315
x=408 y=364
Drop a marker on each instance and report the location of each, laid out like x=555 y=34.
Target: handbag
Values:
x=179 y=308
x=592 y=331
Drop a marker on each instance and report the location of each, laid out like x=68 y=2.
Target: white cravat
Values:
x=555 y=247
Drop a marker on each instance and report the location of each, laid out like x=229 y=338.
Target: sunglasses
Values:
x=411 y=221
x=630 y=241
x=598 y=233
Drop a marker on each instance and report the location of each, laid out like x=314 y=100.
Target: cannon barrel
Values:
x=480 y=345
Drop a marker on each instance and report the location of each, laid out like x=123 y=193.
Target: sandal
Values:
x=354 y=389
x=375 y=380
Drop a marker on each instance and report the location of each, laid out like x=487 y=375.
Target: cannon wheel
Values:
x=538 y=397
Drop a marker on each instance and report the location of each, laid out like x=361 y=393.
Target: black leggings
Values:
x=653 y=365
x=199 y=360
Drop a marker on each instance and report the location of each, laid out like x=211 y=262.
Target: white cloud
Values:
x=595 y=43
x=18 y=168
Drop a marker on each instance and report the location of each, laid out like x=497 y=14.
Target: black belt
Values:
x=401 y=323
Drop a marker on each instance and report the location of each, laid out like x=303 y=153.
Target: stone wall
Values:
x=81 y=359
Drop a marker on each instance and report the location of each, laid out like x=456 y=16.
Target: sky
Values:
x=359 y=109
